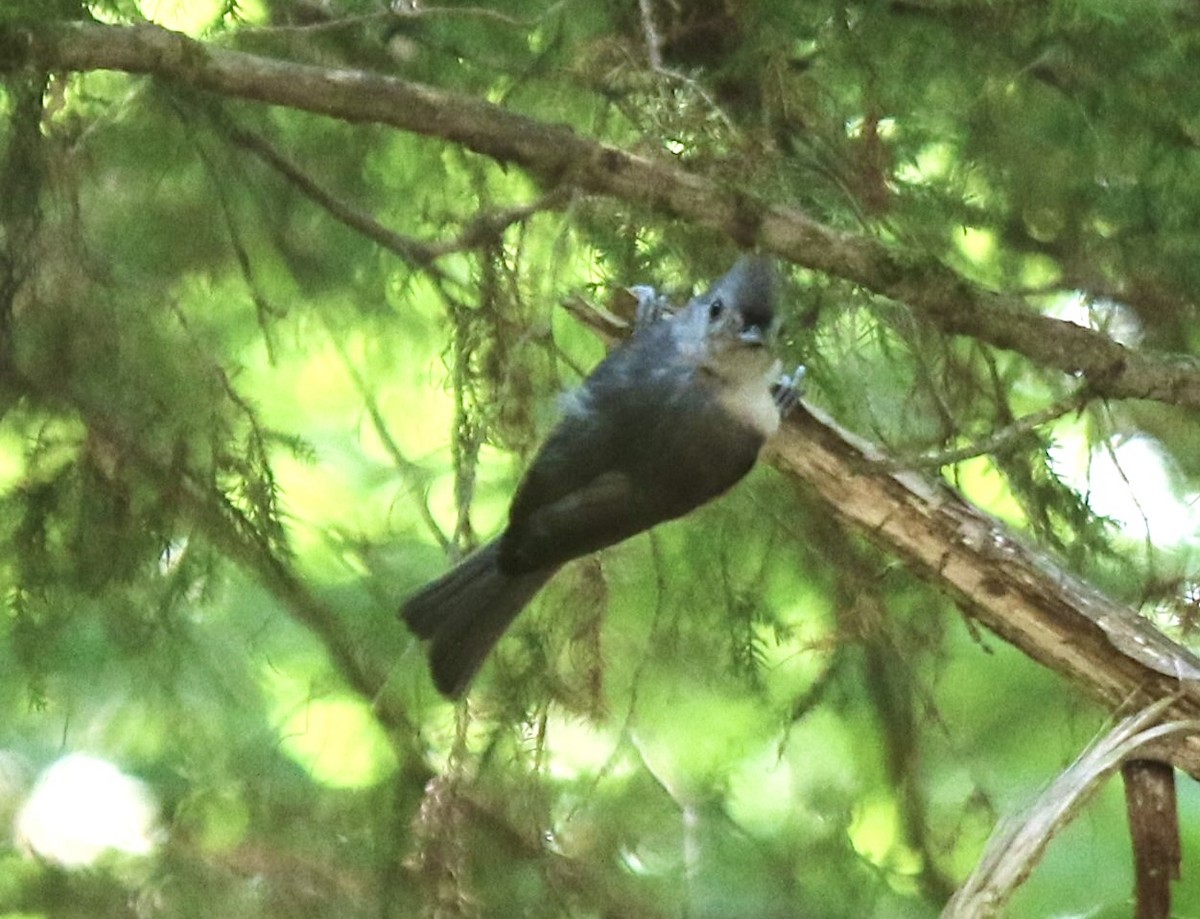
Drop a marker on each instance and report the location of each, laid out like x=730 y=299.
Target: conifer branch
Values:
x=558 y=156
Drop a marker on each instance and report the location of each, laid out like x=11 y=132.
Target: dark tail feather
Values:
x=465 y=611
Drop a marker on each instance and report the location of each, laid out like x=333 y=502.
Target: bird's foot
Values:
x=788 y=390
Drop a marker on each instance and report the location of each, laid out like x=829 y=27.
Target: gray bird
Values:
x=670 y=420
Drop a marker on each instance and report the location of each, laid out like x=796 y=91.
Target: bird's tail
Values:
x=465 y=611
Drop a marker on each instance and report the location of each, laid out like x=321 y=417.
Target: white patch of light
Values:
x=190 y=16
x=172 y=555
x=1127 y=480
x=578 y=750
x=82 y=807
x=1130 y=482
x=1107 y=316
x=634 y=863
x=883 y=127
x=930 y=164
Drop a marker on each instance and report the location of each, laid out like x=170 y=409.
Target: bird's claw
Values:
x=788 y=390
x=652 y=306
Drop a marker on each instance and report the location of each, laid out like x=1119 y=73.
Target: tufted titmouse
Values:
x=668 y=421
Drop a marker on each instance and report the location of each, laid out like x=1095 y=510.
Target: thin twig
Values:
x=993 y=442
x=415 y=478
x=397 y=13
x=653 y=39
x=483 y=228
x=655 y=58
x=264 y=309
x=414 y=251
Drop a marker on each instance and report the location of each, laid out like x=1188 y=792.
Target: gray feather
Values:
x=465 y=611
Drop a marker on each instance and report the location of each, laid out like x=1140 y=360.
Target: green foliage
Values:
x=236 y=427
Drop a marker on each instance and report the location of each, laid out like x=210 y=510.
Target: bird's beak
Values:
x=753 y=335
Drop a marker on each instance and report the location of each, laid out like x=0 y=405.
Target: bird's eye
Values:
x=716 y=310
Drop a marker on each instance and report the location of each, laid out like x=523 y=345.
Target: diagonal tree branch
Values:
x=1014 y=589
x=557 y=155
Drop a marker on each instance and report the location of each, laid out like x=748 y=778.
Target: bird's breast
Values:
x=750 y=401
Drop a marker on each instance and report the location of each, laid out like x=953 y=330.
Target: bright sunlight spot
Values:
x=578 y=749
x=762 y=780
x=1128 y=479
x=874 y=833
x=1131 y=483
x=337 y=742
x=980 y=480
x=932 y=162
x=976 y=244
x=190 y=16
x=83 y=807
x=1106 y=316
x=12 y=460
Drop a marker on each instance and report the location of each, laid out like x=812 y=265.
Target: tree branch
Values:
x=557 y=155
x=1018 y=842
x=1153 y=814
x=1014 y=589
